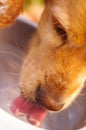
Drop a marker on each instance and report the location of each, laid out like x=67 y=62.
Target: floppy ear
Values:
x=9 y=10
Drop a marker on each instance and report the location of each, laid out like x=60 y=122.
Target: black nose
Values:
x=43 y=98
x=40 y=93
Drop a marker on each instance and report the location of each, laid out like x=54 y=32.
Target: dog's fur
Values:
x=54 y=70
x=9 y=10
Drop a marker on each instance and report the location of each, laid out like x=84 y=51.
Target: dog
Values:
x=54 y=70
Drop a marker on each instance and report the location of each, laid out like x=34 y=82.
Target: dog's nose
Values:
x=46 y=101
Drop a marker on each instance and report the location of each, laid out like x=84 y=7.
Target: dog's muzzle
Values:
x=47 y=102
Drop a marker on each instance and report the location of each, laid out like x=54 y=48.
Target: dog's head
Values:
x=54 y=70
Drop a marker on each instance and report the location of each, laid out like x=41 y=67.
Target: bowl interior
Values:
x=13 y=43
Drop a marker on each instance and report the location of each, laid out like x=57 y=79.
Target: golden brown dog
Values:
x=54 y=70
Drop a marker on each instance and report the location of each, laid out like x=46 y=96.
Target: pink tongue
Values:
x=35 y=114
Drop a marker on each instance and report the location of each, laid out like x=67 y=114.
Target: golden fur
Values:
x=9 y=10
x=54 y=70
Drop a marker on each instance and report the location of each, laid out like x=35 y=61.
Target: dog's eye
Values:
x=60 y=30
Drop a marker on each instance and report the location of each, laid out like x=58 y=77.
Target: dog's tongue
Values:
x=35 y=114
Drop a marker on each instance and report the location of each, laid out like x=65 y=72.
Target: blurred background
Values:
x=33 y=9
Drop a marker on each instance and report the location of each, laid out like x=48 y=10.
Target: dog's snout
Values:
x=43 y=98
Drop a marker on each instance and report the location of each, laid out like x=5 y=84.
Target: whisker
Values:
x=12 y=86
x=13 y=54
x=83 y=94
x=16 y=42
x=12 y=73
x=18 y=65
x=22 y=52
